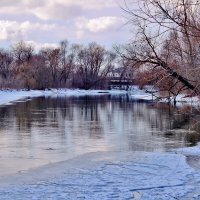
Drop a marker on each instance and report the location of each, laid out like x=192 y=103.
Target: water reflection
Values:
x=58 y=128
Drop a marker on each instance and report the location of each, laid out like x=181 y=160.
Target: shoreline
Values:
x=150 y=174
x=191 y=155
x=10 y=96
x=7 y=97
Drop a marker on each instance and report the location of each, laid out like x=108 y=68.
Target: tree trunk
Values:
x=174 y=74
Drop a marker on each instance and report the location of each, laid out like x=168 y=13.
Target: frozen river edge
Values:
x=7 y=97
x=108 y=175
x=105 y=175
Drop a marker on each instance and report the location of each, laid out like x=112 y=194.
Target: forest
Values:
x=66 y=66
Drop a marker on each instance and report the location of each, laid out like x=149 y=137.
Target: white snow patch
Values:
x=194 y=101
x=191 y=151
x=142 y=94
x=9 y=96
x=108 y=175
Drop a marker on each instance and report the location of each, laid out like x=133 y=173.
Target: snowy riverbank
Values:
x=108 y=175
x=9 y=96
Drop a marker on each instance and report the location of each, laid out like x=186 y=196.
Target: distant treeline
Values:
x=67 y=65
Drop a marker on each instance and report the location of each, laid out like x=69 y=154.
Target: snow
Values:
x=181 y=99
x=9 y=96
x=195 y=101
x=191 y=151
x=108 y=175
x=137 y=93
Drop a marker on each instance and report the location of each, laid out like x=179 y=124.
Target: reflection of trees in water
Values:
x=96 y=117
x=4 y=116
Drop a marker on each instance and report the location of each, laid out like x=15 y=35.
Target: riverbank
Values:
x=9 y=96
x=108 y=175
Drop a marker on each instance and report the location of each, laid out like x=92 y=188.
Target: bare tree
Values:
x=6 y=67
x=41 y=72
x=22 y=52
x=67 y=61
x=67 y=65
x=5 y=63
x=155 y=23
x=52 y=63
x=63 y=50
x=94 y=63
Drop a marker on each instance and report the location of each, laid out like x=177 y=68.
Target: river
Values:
x=45 y=130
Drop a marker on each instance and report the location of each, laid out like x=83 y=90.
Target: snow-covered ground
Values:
x=108 y=175
x=9 y=96
x=181 y=99
x=137 y=93
x=195 y=101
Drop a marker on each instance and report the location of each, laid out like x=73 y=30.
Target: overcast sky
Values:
x=50 y=21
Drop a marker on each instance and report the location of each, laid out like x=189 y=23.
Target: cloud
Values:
x=105 y=30
x=38 y=45
x=101 y=24
x=57 y=11
x=51 y=21
x=89 y=4
x=52 y=9
x=13 y=30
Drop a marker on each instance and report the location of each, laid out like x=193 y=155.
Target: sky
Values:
x=47 y=22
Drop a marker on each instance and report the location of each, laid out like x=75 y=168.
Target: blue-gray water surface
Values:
x=50 y=129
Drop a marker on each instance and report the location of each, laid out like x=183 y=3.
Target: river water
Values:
x=46 y=130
